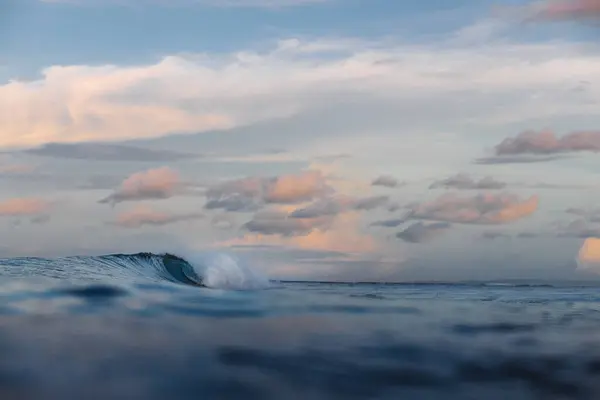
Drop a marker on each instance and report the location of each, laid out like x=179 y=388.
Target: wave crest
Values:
x=224 y=271
x=214 y=270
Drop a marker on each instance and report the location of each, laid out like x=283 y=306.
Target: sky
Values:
x=344 y=140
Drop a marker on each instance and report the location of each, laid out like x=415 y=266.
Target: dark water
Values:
x=141 y=327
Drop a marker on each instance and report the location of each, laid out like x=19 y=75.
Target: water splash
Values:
x=225 y=271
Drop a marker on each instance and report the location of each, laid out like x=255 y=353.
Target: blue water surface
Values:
x=138 y=334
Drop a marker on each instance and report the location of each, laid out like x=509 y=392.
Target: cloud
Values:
x=238 y=195
x=298 y=254
x=330 y=222
x=386 y=181
x=329 y=158
x=153 y=184
x=389 y=223
x=521 y=159
x=323 y=208
x=393 y=207
x=340 y=234
x=545 y=142
x=578 y=211
x=222 y=222
x=588 y=257
x=17 y=169
x=592 y=215
x=252 y=193
x=480 y=209
x=422 y=232
x=465 y=182
x=295 y=188
x=492 y=235
x=579 y=228
x=546 y=185
x=568 y=9
x=532 y=146
x=232 y=203
x=36 y=209
x=107 y=152
x=279 y=223
x=19 y=207
x=142 y=215
x=527 y=235
x=187 y=93
x=335 y=205
x=370 y=203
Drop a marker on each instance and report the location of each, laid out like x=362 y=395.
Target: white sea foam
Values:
x=225 y=271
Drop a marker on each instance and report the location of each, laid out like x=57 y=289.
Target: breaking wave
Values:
x=213 y=270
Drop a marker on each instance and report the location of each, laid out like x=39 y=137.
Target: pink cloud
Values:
x=546 y=142
x=343 y=234
x=159 y=183
x=23 y=207
x=569 y=9
x=293 y=188
x=588 y=257
x=251 y=193
x=17 y=169
x=485 y=208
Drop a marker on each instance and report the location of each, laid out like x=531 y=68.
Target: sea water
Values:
x=149 y=326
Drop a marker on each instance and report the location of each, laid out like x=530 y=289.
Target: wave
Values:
x=211 y=270
x=223 y=271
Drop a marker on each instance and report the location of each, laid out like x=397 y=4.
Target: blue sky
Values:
x=129 y=32
x=320 y=139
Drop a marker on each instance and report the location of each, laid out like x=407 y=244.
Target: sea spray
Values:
x=221 y=270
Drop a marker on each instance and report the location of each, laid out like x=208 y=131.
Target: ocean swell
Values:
x=213 y=270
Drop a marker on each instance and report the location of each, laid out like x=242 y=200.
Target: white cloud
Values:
x=497 y=83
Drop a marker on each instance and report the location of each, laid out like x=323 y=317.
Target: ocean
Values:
x=151 y=326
